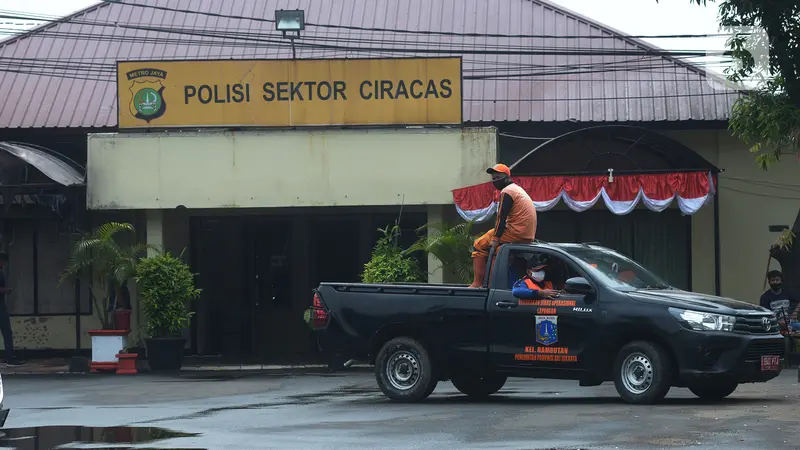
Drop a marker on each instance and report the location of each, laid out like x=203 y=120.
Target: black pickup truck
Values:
x=613 y=321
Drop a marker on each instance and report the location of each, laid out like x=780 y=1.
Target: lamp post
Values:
x=290 y=21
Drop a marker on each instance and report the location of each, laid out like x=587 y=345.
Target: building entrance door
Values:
x=270 y=287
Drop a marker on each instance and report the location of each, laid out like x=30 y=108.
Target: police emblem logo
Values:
x=547 y=330
x=147 y=93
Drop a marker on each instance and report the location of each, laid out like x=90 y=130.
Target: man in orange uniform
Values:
x=516 y=221
x=533 y=287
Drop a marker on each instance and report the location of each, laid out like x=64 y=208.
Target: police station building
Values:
x=273 y=161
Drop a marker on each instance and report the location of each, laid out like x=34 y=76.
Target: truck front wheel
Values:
x=642 y=373
x=479 y=386
x=404 y=370
x=714 y=392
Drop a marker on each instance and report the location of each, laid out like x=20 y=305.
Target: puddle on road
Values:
x=41 y=438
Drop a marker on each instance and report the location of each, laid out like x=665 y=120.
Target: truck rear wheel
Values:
x=404 y=371
x=642 y=373
x=479 y=386
x=715 y=392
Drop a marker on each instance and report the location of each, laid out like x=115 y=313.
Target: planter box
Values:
x=127 y=363
x=106 y=344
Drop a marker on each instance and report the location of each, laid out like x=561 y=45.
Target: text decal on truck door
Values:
x=546 y=354
x=548 y=302
x=547 y=330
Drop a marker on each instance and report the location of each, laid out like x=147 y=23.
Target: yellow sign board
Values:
x=285 y=93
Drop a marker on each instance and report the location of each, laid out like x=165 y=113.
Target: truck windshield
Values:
x=616 y=270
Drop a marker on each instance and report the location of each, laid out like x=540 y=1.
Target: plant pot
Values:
x=106 y=344
x=122 y=319
x=127 y=363
x=165 y=353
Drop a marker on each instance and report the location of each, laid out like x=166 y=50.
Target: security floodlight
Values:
x=293 y=20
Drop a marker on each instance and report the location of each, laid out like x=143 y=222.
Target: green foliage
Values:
x=166 y=285
x=768 y=122
x=389 y=264
x=102 y=259
x=450 y=244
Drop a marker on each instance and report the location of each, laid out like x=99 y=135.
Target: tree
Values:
x=767 y=119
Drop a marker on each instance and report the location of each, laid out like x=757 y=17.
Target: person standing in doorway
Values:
x=516 y=221
x=5 y=320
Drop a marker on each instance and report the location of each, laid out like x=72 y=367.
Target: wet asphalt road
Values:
x=346 y=410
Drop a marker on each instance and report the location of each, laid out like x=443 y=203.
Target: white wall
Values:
x=285 y=168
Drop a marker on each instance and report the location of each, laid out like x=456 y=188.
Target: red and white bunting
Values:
x=692 y=190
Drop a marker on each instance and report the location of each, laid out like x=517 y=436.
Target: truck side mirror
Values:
x=578 y=285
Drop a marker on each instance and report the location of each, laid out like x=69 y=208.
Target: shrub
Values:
x=389 y=264
x=165 y=285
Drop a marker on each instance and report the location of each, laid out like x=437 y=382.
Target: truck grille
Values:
x=754 y=325
x=757 y=349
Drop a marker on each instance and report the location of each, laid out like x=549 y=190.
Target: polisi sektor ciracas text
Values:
x=319 y=91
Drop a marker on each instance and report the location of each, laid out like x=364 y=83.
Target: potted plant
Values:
x=165 y=285
x=389 y=264
x=99 y=258
x=451 y=245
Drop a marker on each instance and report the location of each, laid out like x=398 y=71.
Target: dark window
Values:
x=37 y=255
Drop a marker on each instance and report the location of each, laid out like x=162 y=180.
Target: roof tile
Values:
x=62 y=74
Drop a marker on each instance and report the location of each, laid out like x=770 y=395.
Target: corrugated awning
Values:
x=53 y=165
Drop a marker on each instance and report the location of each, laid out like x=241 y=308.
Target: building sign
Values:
x=283 y=93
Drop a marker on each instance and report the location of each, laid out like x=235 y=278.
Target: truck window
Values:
x=616 y=270
x=557 y=270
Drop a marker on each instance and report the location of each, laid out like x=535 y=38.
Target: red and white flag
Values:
x=692 y=190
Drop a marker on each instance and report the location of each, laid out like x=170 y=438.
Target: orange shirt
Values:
x=537 y=286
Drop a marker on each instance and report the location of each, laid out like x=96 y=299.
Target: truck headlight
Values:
x=703 y=321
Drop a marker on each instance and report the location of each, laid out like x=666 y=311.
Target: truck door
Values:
x=543 y=334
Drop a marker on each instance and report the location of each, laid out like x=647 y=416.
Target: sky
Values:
x=634 y=17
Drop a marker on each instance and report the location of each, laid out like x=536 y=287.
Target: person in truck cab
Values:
x=516 y=221
x=533 y=285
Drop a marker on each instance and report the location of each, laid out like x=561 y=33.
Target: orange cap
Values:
x=499 y=168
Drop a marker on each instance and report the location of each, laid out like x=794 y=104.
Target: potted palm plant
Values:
x=99 y=258
x=451 y=244
x=166 y=285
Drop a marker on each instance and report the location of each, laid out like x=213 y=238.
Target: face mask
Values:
x=501 y=183
x=775 y=286
x=537 y=276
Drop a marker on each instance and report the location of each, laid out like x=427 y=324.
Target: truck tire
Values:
x=404 y=370
x=714 y=392
x=642 y=373
x=477 y=386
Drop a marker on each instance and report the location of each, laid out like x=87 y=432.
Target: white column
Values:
x=154 y=235
x=155 y=229
x=435 y=273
